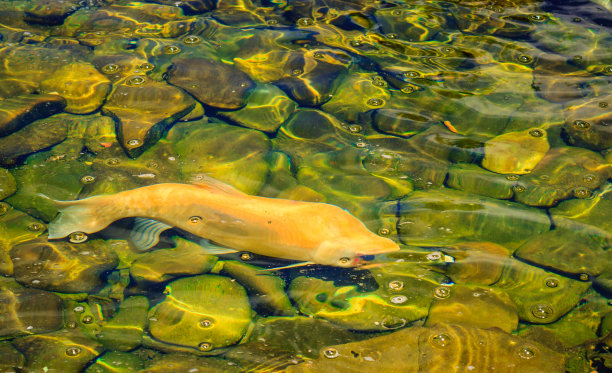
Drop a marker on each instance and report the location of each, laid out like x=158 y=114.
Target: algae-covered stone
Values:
x=10 y=358
x=476 y=262
x=80 y=84
x=116 y=362
x=211 y=82
x=45 y=176
x=455 y=348
x=475 y=306
x=62 y=266
x=28 y=311
x=541 y=297
x=265 y=290
x=440 y=217
x=186 y=258
x=15 y=228
x=299 y=335
x=202 y=312
x=227 y=153
x=124 y=331
x=405 y=294
x=143 y=109
x=356 y=94
x=36 y=136
x=516 y=152
x=442 y=348
x=404 y=121
x=474 y=179
x=564 y=251
x=182 y=362
x=589 y=123
x=57 y=352
x=564 y=172
x=267 y=107
x=17 y=112
x=586 y=215
x=8 y=186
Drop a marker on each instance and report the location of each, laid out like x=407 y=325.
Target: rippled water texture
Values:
x=477 y=135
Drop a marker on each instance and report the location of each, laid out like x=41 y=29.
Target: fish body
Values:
x=306 y=231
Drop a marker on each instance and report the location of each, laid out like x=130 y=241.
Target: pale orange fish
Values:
x=306 y=231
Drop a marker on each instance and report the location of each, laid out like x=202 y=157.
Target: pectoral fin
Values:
x=145 y=233
x=213 y=249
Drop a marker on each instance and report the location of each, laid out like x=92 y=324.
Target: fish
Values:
x=231 y=220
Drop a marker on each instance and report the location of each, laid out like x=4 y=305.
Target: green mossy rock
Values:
x=565 y=252
x=265 y=290
x=62 y=266
x=8 y=186
x=445 y=216
x=124 y=331
x=541 y=297
x=17 y=112
x=479 y=263
x=202 y=312
x=116 y=362
x=28 y=311
x=474 y=179
x=15 y=228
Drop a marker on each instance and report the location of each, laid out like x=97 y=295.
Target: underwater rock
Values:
x=94 y=132
x=185 y=259
x=267 y=107
x=227 y=153
x=515 y=152
x=181 y=362
x=563 y=173
x=402 y=122
x=356 y=94
x=191 y=6
x=589 y=216
x=10 y=358
x=589 y=123
x=142 y=109
x=474 y=179
x=15 y=228
x=54 y=176
x=49 y=12
x=541 y=297
x=116 y=362
x=213 y=83
x=124 y=331
x=259 y=356
x=265 y=289
x=564 y=251
x=554 y=79
x=437 y=349
x=406 y=22
x=80 y=84
x=16 y=112
x=187 y=318
x=8 y=185
x=405 y=294
x=298 y=335
x=95 y=24
x=29 y=311
x=476 y=262
x=446 y=216
x=510 y=22
x=62 y=266
x=57 y=352
x=35 y=136
x=474 y=306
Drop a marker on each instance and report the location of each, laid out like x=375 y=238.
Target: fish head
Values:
x=349 y=252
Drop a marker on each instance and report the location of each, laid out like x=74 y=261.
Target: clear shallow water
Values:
x=474 y=134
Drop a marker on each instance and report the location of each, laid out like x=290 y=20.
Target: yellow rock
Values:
x=515 y=152
x=83 y=87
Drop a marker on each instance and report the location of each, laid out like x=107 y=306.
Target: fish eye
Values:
x=344 y=260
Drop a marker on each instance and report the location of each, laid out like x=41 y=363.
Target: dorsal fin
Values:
x=208 y=182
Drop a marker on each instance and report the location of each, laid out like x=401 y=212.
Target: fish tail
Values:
x=85 y=215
